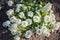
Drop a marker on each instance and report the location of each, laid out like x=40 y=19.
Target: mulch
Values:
x=5 y=33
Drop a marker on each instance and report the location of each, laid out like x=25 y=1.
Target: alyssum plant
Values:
x=28 y=18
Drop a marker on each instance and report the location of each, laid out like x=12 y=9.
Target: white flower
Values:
x=13 y=19
x=10 y=3
x=38 y=31
x=43 y=29
x=25 y=7
x=24 y=23
x=5 y=24
x=10 y=12
x=30 y=14
x=13 y=31
x=56 y=26
x=18 y=7
x=52 y=17
x=28 y=34
x=17 y=10
x=47 y=34
x=47 y=19
x=53 y=20
x=48 y=6
x=36 y=19
x=19 y=33
x=16 y=37
x=14 y=25
x=21 y=15
x=18 y=21
x=29 y=21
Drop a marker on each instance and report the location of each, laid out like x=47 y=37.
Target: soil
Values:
x=5 y=33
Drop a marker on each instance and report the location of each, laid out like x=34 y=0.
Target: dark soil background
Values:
x=5 y=33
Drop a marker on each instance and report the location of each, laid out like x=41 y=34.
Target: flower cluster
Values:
x=27 y=19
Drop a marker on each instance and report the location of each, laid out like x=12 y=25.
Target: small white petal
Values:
x=13 y=19
x=29 y=21
x=24 y=23
x=48 y=6
x=56 y=26
x=52 y=18
x=14 y=25
x=13 y=31
x=28 y=34
x=38 y=31
x=19 y=33
x=5 y=24
x=43 y=29
x=36 y=19
x=25 y=7
x=10 y=12
x=17 y=10
x=18 y=21
x=47 y=34
x=16 y=37
x=47 y=19
x=18 y=5
x=21 y=15
x=10 y=3
x=30 y=14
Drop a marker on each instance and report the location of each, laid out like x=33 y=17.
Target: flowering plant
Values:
x=25 y=19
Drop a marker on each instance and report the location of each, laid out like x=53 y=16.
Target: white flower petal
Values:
x=10 y=3
x=18 y=5
x=47 y=34
x=5 y=24
x=21 y=15
x=38 y=31
x=10 y=12
x=36 y=19
x=24 y=23
x=14 y=25
x=43 y=29
x=29 y=21
x=48 y=6
x=13 y=19
x=28 y=34
x=17 y=10
x=30 y=14
x=47 y=19
x=52 y=18
x=16 y=37
x=18 y=21
x=56 y=26
x=13 y=31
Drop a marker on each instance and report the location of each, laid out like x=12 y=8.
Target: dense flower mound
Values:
x=33 y=18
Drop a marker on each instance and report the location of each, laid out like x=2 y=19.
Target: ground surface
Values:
x=6 y=35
